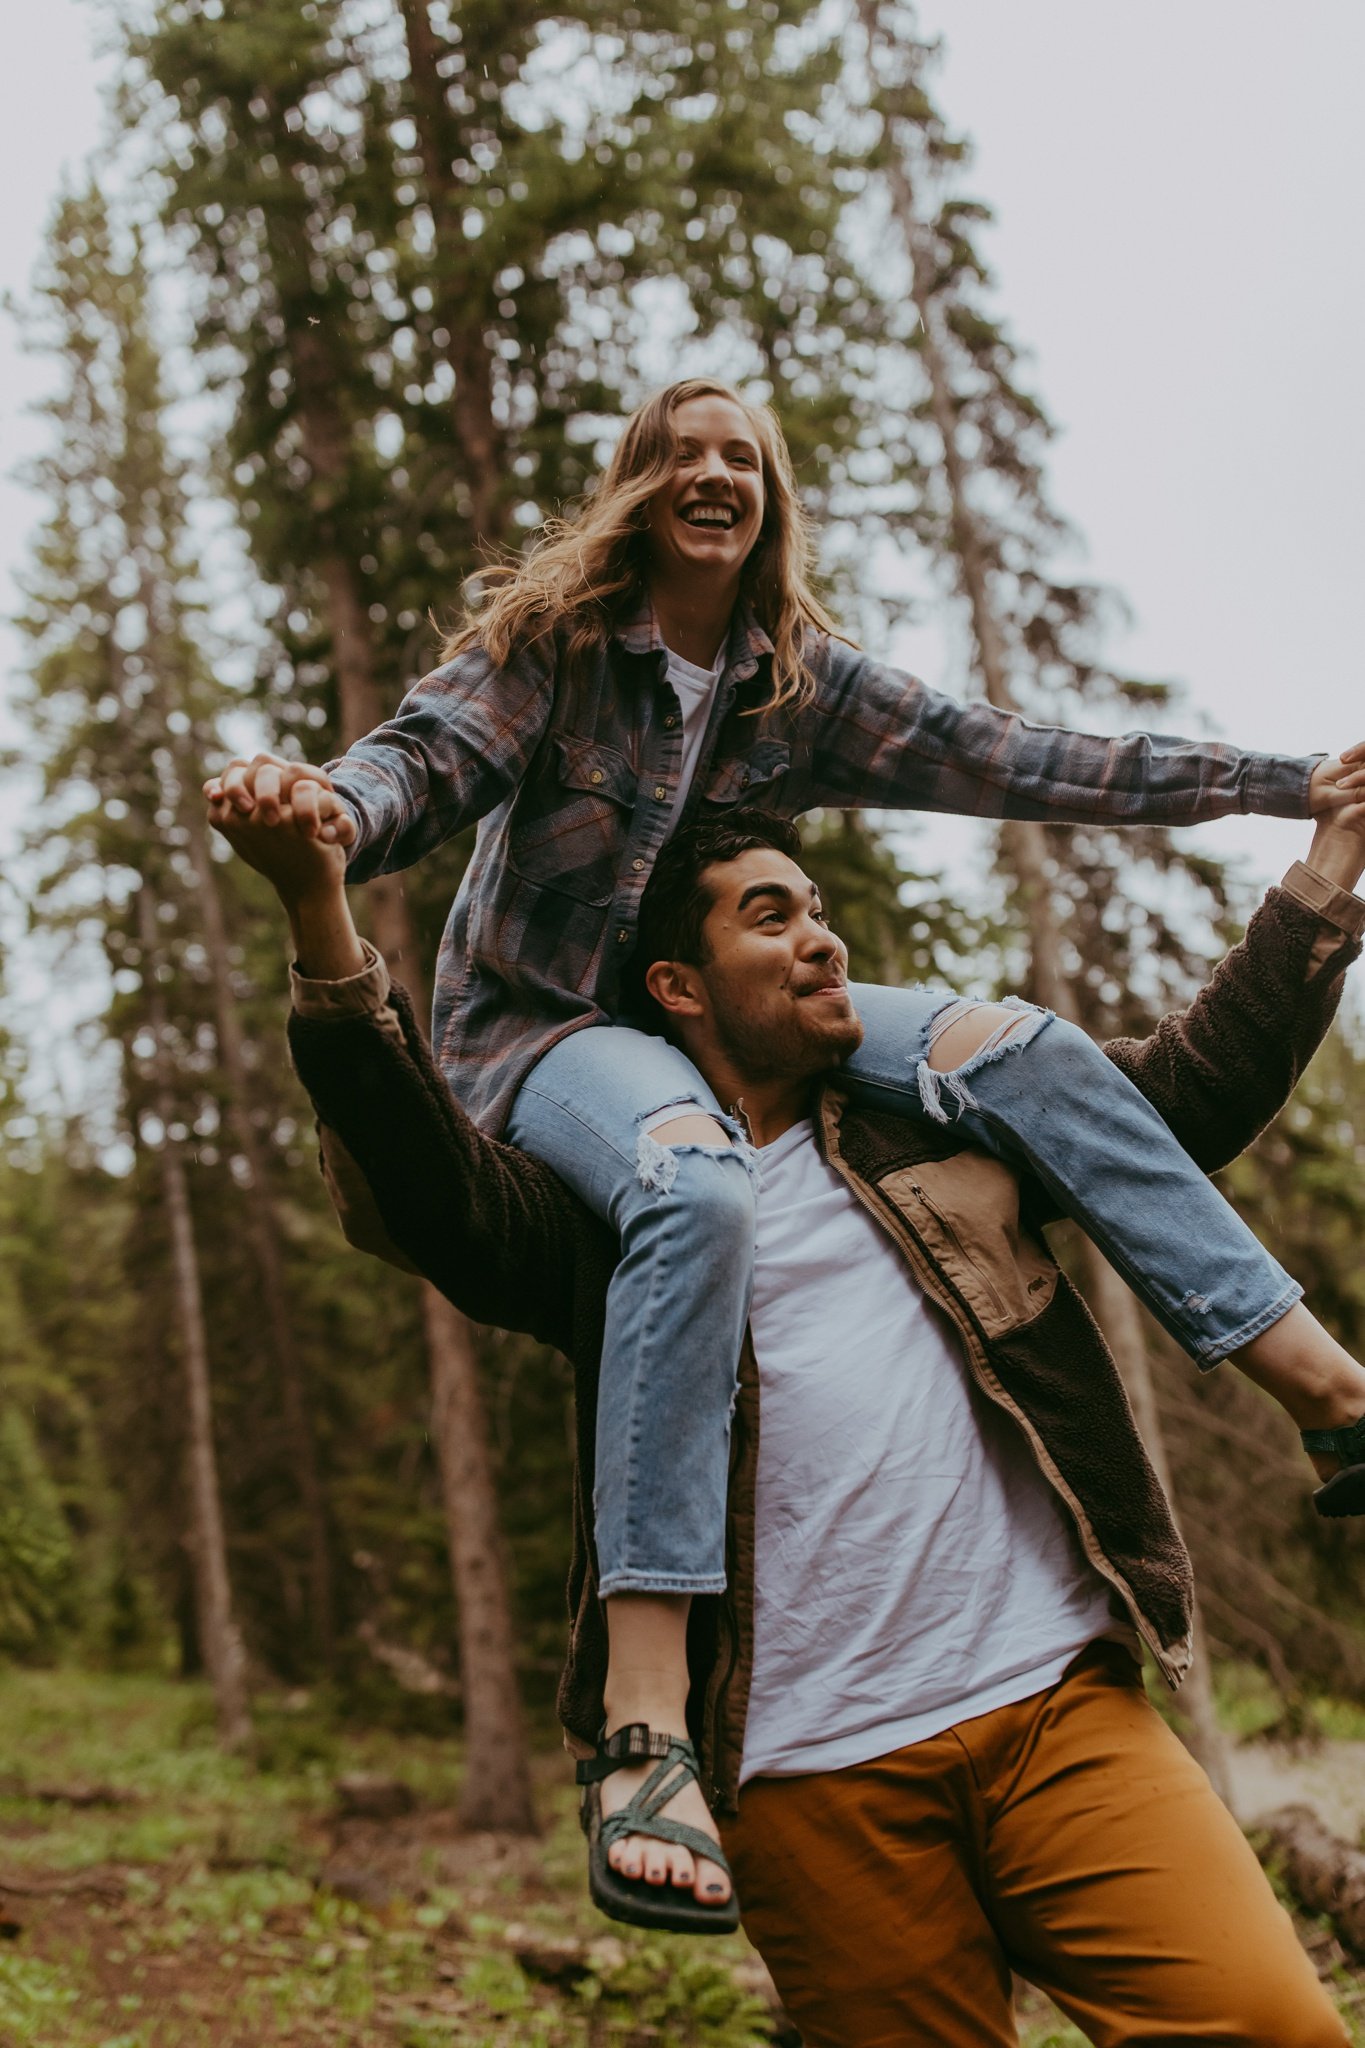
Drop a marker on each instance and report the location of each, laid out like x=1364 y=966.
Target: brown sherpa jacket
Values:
x=507 y=1242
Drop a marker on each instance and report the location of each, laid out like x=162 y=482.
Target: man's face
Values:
x=705 y=519
x=774 y=981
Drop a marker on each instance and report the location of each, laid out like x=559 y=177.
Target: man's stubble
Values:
x=786 y=1047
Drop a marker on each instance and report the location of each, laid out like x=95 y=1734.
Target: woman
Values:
x=661 y=651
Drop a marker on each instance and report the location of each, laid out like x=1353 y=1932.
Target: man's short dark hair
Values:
x=676 y=900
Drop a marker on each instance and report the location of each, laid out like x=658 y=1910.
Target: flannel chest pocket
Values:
x=572 y=818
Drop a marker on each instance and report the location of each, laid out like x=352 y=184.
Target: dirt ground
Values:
x=154 y=1894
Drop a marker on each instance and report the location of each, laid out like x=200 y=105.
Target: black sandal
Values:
x=1344 y=1492
x=666 y=1907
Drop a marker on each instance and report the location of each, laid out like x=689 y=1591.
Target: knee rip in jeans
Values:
x=656 y=1163
x=1011 y=1034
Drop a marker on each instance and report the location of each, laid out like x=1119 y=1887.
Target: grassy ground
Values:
x=203 y=1902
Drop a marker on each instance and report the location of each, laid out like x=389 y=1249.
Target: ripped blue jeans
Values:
x=1038 y=1093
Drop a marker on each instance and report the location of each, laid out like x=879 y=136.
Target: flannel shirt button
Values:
x=660 y=792
x=638 y=866
x=744 y=780
x=621 y=938
x=669 y=723
x=596 y=775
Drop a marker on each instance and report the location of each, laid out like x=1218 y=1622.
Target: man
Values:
x=922 y=1674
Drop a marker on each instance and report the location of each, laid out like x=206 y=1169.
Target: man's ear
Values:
x=675 y=987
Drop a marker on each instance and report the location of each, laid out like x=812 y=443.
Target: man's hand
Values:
x=1337 y=780
x=266 y=786
x=1338 y=849
x=305 y=861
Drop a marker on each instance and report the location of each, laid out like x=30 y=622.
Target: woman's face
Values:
x=705 y=519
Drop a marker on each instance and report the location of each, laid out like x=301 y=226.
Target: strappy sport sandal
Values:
x=1344 y=1492
x=666 y=1907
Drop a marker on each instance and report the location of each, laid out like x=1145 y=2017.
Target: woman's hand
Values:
x=266 y=787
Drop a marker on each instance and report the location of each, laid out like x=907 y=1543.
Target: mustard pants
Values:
x=1069 y=1838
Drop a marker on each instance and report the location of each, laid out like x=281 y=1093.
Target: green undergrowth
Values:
x=1250 y=1706
x=214 y=1903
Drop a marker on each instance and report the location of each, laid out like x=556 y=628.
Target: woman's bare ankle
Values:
x=647 y=1676
x=1314 y=1379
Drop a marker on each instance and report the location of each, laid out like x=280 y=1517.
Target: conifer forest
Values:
x=354 y=295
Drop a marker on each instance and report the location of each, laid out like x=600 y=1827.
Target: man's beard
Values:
x=786 y=1049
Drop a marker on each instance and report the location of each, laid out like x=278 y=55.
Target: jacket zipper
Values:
x=729 y=1621
x=955 y=1241
x=941 y=1290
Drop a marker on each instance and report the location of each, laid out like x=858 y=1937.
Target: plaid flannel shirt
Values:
x=571 y=778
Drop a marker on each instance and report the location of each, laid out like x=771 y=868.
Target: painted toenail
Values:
x=714 y=1891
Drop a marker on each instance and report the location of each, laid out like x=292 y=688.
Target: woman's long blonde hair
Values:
x=586 y=571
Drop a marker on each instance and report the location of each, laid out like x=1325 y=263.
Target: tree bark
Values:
x=459 y=298
x=497 y=1780
x=1024 y=846
x=263 y=1238
x=219 y=1639
x=496 y=1790
x=1326 y=1874
x=1120 y=1318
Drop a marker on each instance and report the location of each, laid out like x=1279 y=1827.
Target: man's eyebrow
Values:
x=781 y=891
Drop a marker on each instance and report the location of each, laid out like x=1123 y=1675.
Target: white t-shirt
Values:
x=695 y=687
x=913 y=1567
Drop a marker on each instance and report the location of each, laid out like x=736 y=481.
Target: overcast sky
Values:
x=1180 y=190
x=1181 y=199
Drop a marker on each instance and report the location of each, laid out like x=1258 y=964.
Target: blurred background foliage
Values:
x=375 y=281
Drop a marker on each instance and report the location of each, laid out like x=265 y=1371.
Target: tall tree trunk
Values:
x=459 y=299
x=220 y=1642
x=497 y=1782
x=1024 y=845
x=263 y=1238
x=1121 y=1320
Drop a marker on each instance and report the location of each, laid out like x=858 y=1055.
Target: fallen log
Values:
x=83 y=1795
x=361 y=1886
x=363 y=1795
x=80 y=1795
x=563 y=1960
x=566 y=1960
x=104 y=1884
x=1325 y=1873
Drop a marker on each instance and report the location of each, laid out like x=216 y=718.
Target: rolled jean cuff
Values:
x=660 y=1582
x=1220 y=1348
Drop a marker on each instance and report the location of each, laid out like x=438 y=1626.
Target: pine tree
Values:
x=416 y=256
x=219 y=1637
x=263 y=101
x=35 y=1547
x=36 y=1552
x=1034 y=636
x=105 y=619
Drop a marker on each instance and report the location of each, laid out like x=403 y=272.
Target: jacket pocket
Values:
x=966 y=1210
x=571 y=820
x=748 y=778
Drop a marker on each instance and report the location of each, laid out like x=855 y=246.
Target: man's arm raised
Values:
x=495 y=1230
x=1220 y=1070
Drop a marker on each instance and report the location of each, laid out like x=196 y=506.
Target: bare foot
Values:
x=661 y=1863
x=647 y=1682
